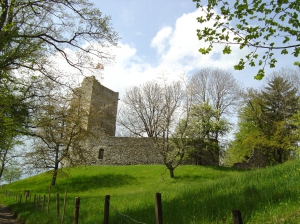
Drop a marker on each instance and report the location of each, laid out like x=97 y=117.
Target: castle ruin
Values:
x=101 y=105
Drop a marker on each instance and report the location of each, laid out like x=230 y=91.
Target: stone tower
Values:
x=101 y=105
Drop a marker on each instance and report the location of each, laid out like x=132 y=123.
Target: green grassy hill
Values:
x=197 y=194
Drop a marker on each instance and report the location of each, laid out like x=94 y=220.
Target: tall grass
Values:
x=197 y=194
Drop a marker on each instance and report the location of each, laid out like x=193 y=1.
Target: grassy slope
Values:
x=197 y=194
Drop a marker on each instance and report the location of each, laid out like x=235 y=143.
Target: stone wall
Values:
x=101 y=106
x=130 y=151
x=256 y=160
x=126 y=151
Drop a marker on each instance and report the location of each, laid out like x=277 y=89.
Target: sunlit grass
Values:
x=197 y=194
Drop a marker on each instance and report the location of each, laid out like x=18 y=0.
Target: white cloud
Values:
x=129 y=69
x=159 y=41
x=183 y=43
x=177 y=51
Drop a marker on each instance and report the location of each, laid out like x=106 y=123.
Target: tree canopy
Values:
x=217 y=88
x=58 y=121
x=33 y=34
x=201 y=130
x=32 y=31
x=14 y=117
x=266 y=122
x=268 y=25
x=154 y=110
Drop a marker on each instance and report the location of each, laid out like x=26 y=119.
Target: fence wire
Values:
x=126 y=216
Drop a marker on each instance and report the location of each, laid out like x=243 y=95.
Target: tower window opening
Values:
x=101 y=154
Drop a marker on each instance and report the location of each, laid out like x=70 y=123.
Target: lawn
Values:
x=196 y=195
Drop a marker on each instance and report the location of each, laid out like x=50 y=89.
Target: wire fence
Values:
x=39 y=203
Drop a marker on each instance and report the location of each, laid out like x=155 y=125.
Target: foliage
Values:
x=268 y=25
x=14 y=117
x=202 y=125
x=295 y=121
x=57 y=129
x=205 y=121
x=33 y=34
x=220 y=90
x=265 y=122
x=33 y=31
x=12 y=173
x=197 y=195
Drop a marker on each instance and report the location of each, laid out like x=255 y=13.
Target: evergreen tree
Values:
x=265 y=122
x=280 y=104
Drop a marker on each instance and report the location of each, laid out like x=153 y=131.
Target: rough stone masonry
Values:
x=101 y=105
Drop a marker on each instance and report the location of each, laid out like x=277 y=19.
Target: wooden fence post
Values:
x=64 y=207
x=34 y=201
x=26 y=194
x=39 y=200
x=57 y=204
x=44 y=200
x=158 y=209
x=20 y=201
x=48 y=206
x=106 y=209
x=76 y=213
x=237 y=217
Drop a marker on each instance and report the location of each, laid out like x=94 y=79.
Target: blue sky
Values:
x=159 y=37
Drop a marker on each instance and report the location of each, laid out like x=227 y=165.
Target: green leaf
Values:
x=286 y=39
x=205 y=50
x=227 y=50
x=260 y=74
x=297 y=63
x=240 y=66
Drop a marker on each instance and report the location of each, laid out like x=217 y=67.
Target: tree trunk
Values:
x=171 y=169
x=279 y=156
x=54 y=175
x=55 y=167
x=3 y=163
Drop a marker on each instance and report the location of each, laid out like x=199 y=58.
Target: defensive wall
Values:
x=132 y=151
x=101 y=106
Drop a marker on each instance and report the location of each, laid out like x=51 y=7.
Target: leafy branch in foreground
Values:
x=33 y=31
x=254 y=25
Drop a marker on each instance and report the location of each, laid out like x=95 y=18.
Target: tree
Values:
x=295 y=120
x=265 y=120
x=12 y=173
x=57 y=121
x=281 y=103
x=153 y=110
x=202 y=125
x=274 y=26
x=249 y=134
x=33 y=31
x=217 y=88
x=142 y=110
x=32 y=34
x=14 y=117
